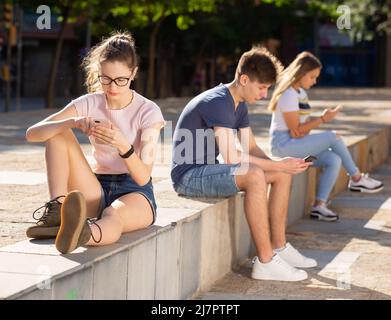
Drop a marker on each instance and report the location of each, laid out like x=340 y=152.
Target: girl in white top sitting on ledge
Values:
x=290 y=134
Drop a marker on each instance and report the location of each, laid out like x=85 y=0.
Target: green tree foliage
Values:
x=194 y=31
x=368 y=18
x=150 y=14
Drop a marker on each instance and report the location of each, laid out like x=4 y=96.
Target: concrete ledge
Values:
x=193 y=243
x=169 y=260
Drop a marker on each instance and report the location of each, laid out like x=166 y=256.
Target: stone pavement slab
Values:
x=22 y=178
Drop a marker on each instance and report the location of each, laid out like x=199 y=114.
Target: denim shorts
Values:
x=210 y=180
x=117 y=185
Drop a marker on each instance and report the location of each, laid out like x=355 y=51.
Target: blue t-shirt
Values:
x=194 y=139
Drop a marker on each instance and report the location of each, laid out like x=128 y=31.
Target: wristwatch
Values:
x=128 y=153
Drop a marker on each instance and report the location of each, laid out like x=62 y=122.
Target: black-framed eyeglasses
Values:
x=120 y=81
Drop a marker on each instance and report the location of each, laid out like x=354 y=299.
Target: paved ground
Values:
x=354 y=254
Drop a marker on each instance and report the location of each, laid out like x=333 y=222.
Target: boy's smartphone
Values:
x=310 y=159
x=102 y=122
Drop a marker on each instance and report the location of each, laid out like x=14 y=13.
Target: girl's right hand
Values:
x=330 y=114
x=84 y=124
x=293 y=165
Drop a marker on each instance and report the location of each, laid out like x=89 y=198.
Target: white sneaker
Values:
x=321 y=212
x=277 y=269
x=295 y=258
x=366 y=184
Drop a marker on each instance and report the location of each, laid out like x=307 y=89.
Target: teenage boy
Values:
x=207 y=128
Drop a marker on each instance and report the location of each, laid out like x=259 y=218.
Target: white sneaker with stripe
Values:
x=321 y=212
x=366 y=184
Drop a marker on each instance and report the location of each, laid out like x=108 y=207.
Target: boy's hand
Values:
x=293 y=165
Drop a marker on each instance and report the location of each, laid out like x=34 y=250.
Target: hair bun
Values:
x=119 y=46
x=124 y=36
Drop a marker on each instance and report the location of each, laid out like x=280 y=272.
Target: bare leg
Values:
x=278 y=206
x=128 y=213
x=57 y=166
x=251 y=179
x=67 y=169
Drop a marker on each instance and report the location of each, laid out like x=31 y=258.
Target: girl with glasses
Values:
x=93 y=205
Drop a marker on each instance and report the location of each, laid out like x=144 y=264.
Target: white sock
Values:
x=320 y=205
x=280 y=249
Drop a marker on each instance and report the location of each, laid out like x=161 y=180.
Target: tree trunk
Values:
x=164 y=59
x=212 y=76
x=57 y=54
x=199 y=60
x=151 y=59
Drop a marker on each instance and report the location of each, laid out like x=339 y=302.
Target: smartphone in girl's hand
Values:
x=104 y=123
x=338 y=108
